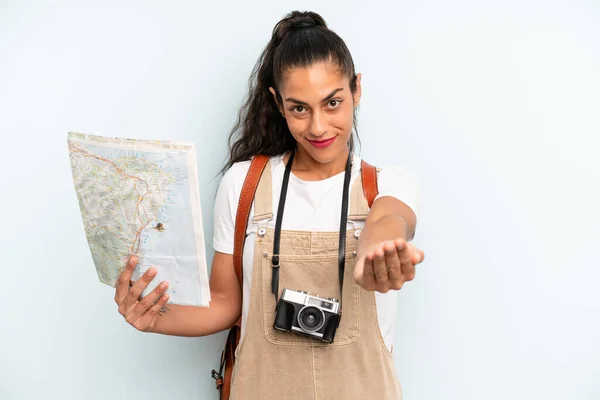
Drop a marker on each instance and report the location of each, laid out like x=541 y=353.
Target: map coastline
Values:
x=142 y=197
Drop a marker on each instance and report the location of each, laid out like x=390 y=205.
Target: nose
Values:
x=318 y=124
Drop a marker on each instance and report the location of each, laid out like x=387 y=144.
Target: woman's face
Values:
x=319 y=109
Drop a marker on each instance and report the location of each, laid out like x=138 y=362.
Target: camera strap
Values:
x=275 y=261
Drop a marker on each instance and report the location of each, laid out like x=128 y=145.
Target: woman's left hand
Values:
x=388 y=265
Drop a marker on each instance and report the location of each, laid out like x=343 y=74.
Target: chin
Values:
x=327 y=155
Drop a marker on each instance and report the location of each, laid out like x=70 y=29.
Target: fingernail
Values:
x=151 y=272
x=163 y=285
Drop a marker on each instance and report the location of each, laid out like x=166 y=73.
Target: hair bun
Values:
x=297 y=20
x=306 y=19
x=304 y=23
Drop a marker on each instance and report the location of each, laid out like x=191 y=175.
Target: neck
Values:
x=307 y=168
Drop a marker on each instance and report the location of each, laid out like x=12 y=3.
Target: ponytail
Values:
x=298 y=40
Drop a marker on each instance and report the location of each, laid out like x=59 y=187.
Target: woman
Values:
x=300 y=112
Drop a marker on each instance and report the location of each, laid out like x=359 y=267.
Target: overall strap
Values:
x=263 y=199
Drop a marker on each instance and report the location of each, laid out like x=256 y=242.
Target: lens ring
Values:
x=311 y=319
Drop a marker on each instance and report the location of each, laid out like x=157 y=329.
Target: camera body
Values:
x=301 y=312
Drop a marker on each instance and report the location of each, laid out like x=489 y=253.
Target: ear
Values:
x=358 y=91
x=279 y=106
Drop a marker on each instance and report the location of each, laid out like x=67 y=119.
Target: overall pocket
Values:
x=317 y=275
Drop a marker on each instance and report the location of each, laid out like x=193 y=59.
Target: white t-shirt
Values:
x=316 y=206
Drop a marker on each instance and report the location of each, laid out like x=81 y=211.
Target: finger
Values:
x=380 y=269
x=392 y=261
x=401 y=244
x=146 y=302
x=148 y=320
x=122 y=285
x=136 y=290
x=420 y=258
x=407 y=267
x=405 y=250
x=416 y=255
x=369 y=281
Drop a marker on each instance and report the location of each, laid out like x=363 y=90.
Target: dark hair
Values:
x=298 y=40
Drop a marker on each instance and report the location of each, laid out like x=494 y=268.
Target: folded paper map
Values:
x=141 y=197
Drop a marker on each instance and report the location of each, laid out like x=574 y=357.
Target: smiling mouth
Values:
x=322 y=143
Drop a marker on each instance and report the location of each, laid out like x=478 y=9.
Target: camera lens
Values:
x=311 y=319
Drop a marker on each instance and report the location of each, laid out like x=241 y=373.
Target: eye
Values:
x=298 y=109
x=334 y=103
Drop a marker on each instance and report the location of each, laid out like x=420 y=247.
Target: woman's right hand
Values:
x=141 y=313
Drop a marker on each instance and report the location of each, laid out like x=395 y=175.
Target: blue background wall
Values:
x=493 y=105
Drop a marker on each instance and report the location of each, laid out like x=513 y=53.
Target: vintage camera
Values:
x=301 y=312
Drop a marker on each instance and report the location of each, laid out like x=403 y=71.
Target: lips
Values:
x=322 y=143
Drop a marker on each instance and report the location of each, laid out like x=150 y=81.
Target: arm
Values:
x=226 y=295
x=145 y=314
x=224 y=310
x=385 y=258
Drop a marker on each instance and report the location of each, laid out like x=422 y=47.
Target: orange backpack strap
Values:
x=257 y=166
x=243 y=211
x=369 y=181
x=223 y=377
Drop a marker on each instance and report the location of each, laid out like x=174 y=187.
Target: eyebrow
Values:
x=322 y=101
